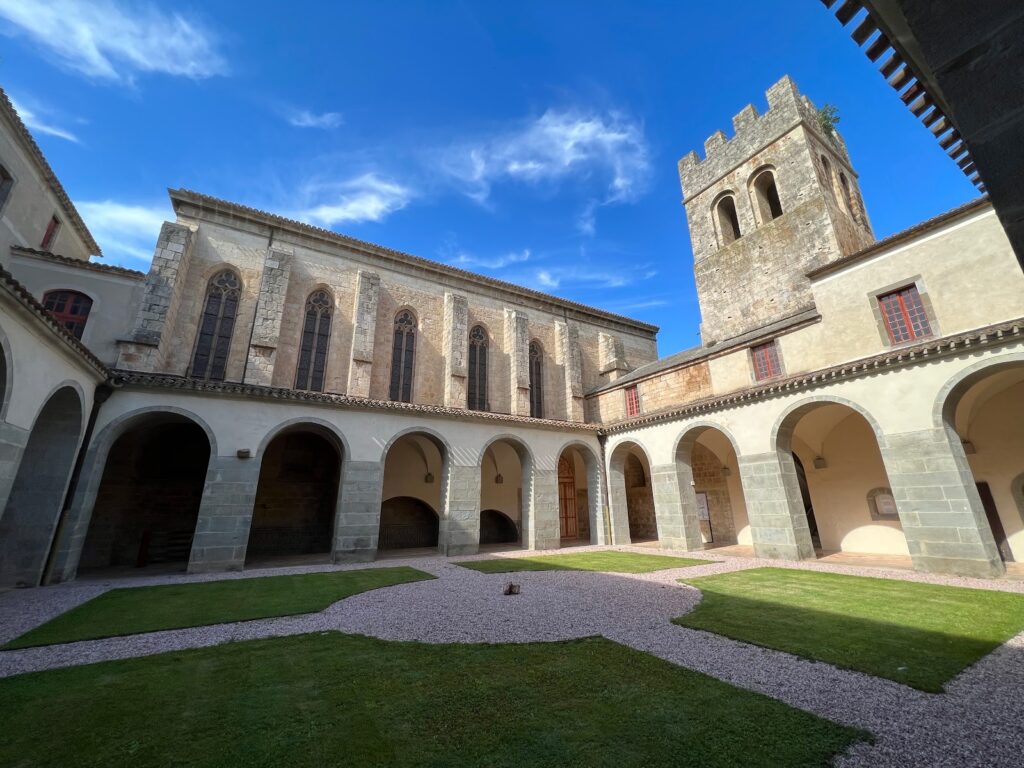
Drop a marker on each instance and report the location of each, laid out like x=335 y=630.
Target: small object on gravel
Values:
x=511 y=589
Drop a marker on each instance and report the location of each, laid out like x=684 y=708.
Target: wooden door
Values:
x=567 y=500
x=998 y=532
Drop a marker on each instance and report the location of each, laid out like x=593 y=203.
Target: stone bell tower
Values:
x=765 y=207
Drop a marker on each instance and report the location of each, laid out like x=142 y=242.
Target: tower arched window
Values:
x=536 y=380
x=851 y=205
x=69 y=308
x=213 y=342
x=477 y=385
x=316 y=333
x=403 y=355
x=765 y=196
x=728 y=221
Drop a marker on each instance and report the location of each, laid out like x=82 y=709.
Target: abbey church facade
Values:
x=272 y=392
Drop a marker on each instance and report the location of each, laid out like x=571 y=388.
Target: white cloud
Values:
x=303 y=118
x=468 y=261
x=609 y=150
x=364 y=198
x=110 y=40
x=551 y=278
x=126 y=233
x=39 y=125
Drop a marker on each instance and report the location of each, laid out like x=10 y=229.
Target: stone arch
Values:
x=762 y=187
x=588 y=484
x=980 y=411
x=69 y=550
x=29 y=520
x=322 y=426
x=726 y=218
x=411 y=501
x=828 y=487
x=712 y=499
x=499 y=491
x=632 y=497
x=145 y=489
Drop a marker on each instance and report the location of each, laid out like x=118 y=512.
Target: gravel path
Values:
x=977 y=722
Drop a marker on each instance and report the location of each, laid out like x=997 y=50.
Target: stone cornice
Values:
x=29 y=145
x=1002 y=333
x=122 y=378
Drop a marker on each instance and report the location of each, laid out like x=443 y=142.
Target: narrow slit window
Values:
x=766 y=361
x=904 y=315
x=402 y=357
x=70 y=309
x=536 y=380
x=316 y=334
x=213 y=342
x=632 y=401
x=477 y=385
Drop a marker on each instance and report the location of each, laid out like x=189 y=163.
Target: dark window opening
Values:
x=216 y=326
x=728 y=221
x=536 y=381
x=402 y=354
x=477 y=385
x=316 y=333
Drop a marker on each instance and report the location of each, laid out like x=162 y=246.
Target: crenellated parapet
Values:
x=787 y=108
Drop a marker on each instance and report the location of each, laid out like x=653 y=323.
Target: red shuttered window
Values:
x=632 y=402
x=69 y=308
x=766 y=361
x=905 y=318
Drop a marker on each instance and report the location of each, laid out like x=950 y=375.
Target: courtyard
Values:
x=607 y=656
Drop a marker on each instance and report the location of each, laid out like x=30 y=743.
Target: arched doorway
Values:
x=706 y=463
x=296 y=498
x=578 y=496
x=984 y=417
x=414 y=476
x=497 y=528
x=33 y=507
x=148 y=500
x=632 y=495
x=835 y=477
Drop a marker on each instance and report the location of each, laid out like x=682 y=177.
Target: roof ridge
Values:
x=365 y=244
x=83 y=263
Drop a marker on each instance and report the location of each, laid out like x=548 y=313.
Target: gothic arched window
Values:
x=218 y=321
x=728 y=221
x=536 y=380
x=316 y=332
x=69 y=308
x=402 y=355
x=477 y=387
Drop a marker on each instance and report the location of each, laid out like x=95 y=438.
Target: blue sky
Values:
x=534 y=142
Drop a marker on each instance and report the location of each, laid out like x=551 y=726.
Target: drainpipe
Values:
x=100 y=396
x=602 y=439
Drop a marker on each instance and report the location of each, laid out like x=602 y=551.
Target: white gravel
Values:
x=977 y=722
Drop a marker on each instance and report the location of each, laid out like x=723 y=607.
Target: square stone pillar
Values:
x=357 y=519
x=596 y=506
x=225 y=515
x=778 y=524
x=517 y=342
x=941 y=512
x=266 y=327
x=364 y=330
x=570 y=357
x=147 y=347
x=675 y=507
x=619 y=506
x=12 y=445
x=544 y=529
x=456 y=350
x=460 y=524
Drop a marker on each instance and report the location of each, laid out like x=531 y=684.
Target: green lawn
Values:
x=922 y=635
x=173 y=606
x=609 y=562
x=334 y=699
